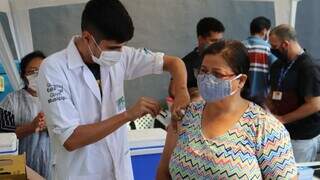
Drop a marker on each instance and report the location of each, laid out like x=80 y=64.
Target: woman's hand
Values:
x=39 y=123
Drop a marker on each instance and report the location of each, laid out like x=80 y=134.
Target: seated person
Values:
x=226 y=136
x=24 y=104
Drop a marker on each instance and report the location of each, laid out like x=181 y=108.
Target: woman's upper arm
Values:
x=274 y=151
x=170 y=144
x=171 y=141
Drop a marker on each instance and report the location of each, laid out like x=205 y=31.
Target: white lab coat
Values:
x=70 y=97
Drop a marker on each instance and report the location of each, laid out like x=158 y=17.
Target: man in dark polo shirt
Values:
x=295 y=92
x=209 y=30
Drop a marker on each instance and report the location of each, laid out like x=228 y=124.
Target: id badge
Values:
x=277 y=95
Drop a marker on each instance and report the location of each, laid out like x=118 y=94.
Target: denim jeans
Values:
x=306 y=150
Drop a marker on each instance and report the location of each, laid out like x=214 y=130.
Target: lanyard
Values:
x=283 y=74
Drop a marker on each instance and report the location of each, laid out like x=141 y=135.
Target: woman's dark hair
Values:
x=25 y=62
x=236 y=56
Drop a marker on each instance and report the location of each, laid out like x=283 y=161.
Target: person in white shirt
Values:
x=28 y=118
x=81 y=91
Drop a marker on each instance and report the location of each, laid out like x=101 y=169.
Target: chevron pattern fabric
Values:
x=257 y=147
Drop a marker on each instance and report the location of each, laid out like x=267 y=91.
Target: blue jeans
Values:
x=306 y=150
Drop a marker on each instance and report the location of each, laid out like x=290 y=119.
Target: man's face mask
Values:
x=107 y=58
x=203 y=48
x=266 y=37
x=213 y=89
x=282 y=55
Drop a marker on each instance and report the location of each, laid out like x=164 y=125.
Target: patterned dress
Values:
x=257 y=147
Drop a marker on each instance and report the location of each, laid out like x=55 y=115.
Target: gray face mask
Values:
x=214 y=89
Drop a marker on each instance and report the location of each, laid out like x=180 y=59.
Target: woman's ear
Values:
x=242 y=80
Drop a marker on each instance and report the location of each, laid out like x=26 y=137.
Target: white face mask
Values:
x=107 y=58
x=32 y=81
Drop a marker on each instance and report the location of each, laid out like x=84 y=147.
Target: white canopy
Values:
x=7 y=62
x=285 y=10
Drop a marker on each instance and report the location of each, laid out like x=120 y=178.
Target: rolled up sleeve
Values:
x=64 y=133
x=140 y=62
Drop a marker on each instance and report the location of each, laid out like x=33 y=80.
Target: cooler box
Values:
x=8 y=144
x=146 y=147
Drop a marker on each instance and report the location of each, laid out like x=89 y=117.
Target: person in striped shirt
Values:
x=261 y=59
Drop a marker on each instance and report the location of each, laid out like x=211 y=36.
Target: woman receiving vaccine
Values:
x=225 y=136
